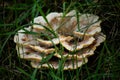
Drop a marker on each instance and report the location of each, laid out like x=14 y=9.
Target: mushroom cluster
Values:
x=71 y=37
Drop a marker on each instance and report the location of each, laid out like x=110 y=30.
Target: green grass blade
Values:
x=22 y=71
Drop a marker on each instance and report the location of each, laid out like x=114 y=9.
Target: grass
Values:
x=16 y=14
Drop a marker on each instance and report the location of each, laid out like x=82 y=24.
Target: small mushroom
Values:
x=39 y=21
x=28 y=54
x=41 y=49
x=68 y=64
x=49 y=43
x=88 y=31
x=78 y=36
x=77 y=45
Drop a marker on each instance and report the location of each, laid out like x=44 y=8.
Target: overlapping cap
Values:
x=70 y=38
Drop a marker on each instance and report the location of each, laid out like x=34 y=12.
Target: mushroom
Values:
x=68 y=64
x=85 y=52
x=76 y=44
x=77 y=39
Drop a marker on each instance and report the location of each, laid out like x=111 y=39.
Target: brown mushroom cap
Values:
x=68 y=65
x=79 y=45
x=28 y=54
x=79 y=36
x=85 y=52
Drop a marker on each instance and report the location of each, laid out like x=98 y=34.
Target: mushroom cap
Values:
x=84 y=52
x=78 y=45
x=77 y=39
x=68 y=65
